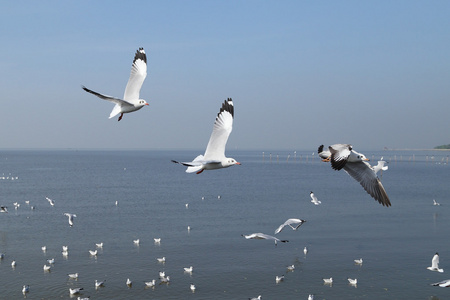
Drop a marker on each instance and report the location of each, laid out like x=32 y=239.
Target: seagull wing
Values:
x=339 y=155
x=115 y=100
x=215 y=151
x=363 y=173
x=137 y=76
x=280 y=228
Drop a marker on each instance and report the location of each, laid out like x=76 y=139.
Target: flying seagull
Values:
x=262 y=236
x=70 y=216
x=289 y=222
x=435 y=264
x=342 y=156
x=214 y=157
x=314 y=199
x=130 y=101
x=443 y=283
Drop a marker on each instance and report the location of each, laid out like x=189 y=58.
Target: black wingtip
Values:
x=227 y=105
x=140 y=54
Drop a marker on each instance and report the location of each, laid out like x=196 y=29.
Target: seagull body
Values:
x=52 y=203
x=73 y=275
x=214 y=157
x=136 y=242
x=189 y=270
x=25 y=289
x=279 y=278
x=165 y=279
x=51 y=261
x=93 y=252
x=75 y=291
x=314 y=199
x=291 y=268
x=47 y=268
x=129 y=283
x=130 y=101
x=150 y=283
x=262 y=236
x=443 y=283
x=13 y=264
x=305 y=250
x=289 y=222
x=342 y=156
x=70 y=216
x=192 y=287
x=435 y=203
x=3 y=209
x=161 y=259
x=358 y=261
x=435 y=264
x=99 y=245
x=99 y=283
x=352 y=281
x=65 y=248
x=255 y=298
x=157 y=240
x=328 y=280
x=311 y=297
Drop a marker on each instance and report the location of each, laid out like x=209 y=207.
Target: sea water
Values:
x=396 y=243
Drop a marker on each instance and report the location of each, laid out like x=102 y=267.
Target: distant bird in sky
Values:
x=70 y=218
x=435 y=264
x=314 y=199
x=131 y=101
x=342 y=156
x=214 y=157
x=443 y=283
x=262 y=236
x=436 y=203
x=52 y=203
x=289 y=223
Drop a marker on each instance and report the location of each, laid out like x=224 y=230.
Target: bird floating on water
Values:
x=99 y=245
x=328 y=280
x=214 y=157
x=25 y=289
x=73 y=275
x=131 y=101
x=255 y=298
x=289 y=223
x=99 y=283
x=358 y=261
x=192 y=287
x=279 y=278
x=352 y=281
x=150 y=283
x=93 y=252
x=305 y=250
x=435 y=264
x=189 y=270
x=47 y=268
x=3 y=209
x=129 y=282
x=291 y=268
x=161 y=259
x=342 y=156
x=263 y=236
x=75 y=291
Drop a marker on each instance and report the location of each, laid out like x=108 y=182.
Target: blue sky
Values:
x=301 y=73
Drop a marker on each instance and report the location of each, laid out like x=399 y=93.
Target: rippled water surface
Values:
x=396 y=243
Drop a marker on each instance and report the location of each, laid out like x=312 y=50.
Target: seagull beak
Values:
x=146 y=104
x=238 y=163
x=367 y=159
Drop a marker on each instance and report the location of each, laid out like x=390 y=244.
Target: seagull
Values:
x=262 y=236
x=311 y=297
x=70 y=216
x=288 y=223
x=99 y=283
x=99 y=245
x=84 y=298
x=75 y=291
x=342 y=156
x=25 y=289
x=65 y=248
x=192 y=287
x=435 y=264
x=2 y=255
x=358 y=261
x=162 y=259
x=444 y=283
x=129 y=283
x=93 y=252
x=214 y=157
x=136 y=242
x=157 y=240
x=47 y=268
x=13 y=264
x=291 y=268
x=150 y=283
x=130 y=101
x=165 y=280
x=3 y=209
x=189 y=270
x=255 y=298
x=328 y=280
x=52 y=203
x=314 y=199
x=73 y=276
x=162 y=274
x=51 y=261
x=435 y=203
x=65 y=253
x=352 y=281
x=305 y=250
x=279 y=278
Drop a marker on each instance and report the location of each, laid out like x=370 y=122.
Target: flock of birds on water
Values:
x=340 y=156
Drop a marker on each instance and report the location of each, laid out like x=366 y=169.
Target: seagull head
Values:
x=232 y=161
x=142 y=102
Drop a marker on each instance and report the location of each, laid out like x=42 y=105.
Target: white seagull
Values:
x=130 y=101
x=165 y=280
x=255 y=298
x=192 y=287
x=262 y=236
x=73 y=275
x=93 y=252
x=25 y=289
x=70 y=216
x=99 y=283
x=314 y=199
x=47 y=268
x=435 y=203
x=328 y=280
x=157 y=240
x=129 y=283
x=342 y=156
x=52 y=203
x=161 y=259
x=75 y=291
x=4 y=209
x=435 y=264
x=214 y=157
x=289 y=222
x=189 y=270
x=358 y=261
x=443 y=283
x=51 y=261
x=136 y=242
x=99 y=245
x=279 y=278
x=291 y=268
x=305 y=250
x=352 y=281
x=150 y=283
